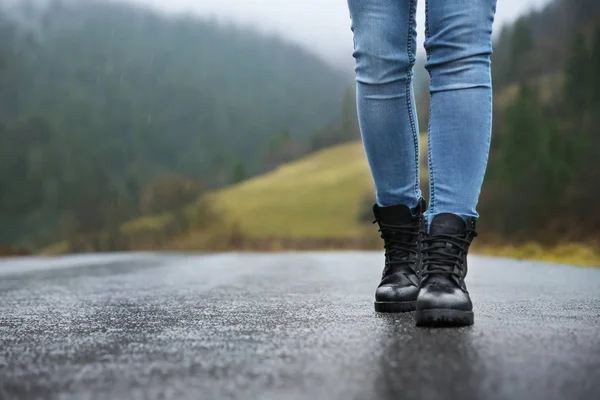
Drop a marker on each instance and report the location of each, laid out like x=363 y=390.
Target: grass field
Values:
x=318 y=197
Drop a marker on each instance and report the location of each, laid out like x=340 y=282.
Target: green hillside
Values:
x=316 y=197
x=311 y=203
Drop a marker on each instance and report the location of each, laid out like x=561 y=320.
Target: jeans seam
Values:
x=427 y=25
x=411 y=61
x=429 y=154
x=430 y=167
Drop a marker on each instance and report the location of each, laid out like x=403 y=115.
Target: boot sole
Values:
x=444 y=318
x=395 y=306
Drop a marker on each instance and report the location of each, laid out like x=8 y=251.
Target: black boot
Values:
x=400 y=228
x=443 y=297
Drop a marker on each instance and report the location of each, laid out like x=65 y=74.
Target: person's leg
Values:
x=385 y=48
x=459 y=45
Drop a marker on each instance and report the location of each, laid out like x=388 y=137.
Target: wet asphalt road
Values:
x=287 y=326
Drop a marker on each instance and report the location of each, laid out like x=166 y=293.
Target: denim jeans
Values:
x=458 y=44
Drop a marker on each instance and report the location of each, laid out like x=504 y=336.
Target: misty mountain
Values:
x=101 y=97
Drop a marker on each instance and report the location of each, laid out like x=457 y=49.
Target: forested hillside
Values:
x=100 y=99
x=544 y=176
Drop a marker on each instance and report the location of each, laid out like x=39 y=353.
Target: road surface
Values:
x=287 y=326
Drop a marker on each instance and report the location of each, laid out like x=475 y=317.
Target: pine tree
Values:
x=577 y=76
x=595 y=69
x=239 y=172
x=520 y=45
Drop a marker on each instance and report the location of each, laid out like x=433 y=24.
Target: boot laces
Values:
x=398 y=250
x=443 y=254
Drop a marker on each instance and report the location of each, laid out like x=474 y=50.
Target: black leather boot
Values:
x=400 y=229
x=443 y=297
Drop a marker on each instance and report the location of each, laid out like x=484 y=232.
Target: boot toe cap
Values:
x=396 y=293
x=448 y=298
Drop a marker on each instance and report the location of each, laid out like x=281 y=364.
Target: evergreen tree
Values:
x=594 y=69
x=239 y=172
x=577 y=75
x=521 y=43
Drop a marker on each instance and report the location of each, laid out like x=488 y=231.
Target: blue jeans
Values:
x=458 y=44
